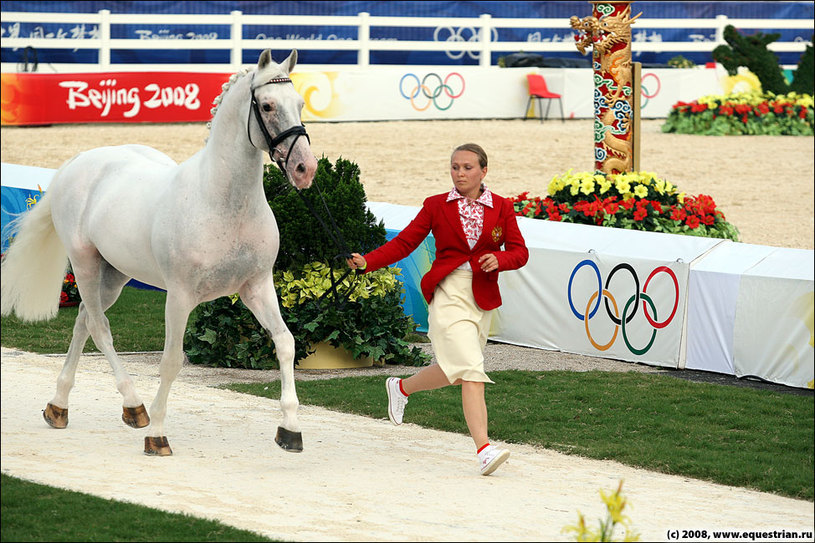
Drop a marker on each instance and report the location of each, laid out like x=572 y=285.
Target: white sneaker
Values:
x=492 y=457
x=396 y=400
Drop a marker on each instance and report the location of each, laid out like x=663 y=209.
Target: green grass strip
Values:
x=34 y=512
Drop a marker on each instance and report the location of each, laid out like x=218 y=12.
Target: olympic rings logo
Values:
x=644 y=89
x=620 y=321
x=442 y=95
x=457 y=35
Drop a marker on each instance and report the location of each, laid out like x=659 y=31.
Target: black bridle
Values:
x=272 y=143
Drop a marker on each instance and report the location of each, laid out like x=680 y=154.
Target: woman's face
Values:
x=467 y=173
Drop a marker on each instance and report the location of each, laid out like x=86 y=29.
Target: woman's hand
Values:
x=488 y=262
x=356 y=262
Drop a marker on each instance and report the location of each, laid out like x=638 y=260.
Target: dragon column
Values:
x=608 y=33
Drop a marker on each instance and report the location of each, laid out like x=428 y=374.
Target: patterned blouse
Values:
x=471 y=213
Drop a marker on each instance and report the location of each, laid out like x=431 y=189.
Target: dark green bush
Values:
x=371 y=322
x=752 y=53
x=804 y=81
x=302 y=238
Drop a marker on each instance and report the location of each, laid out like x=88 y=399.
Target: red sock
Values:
x=482 y=448
x=402 y=390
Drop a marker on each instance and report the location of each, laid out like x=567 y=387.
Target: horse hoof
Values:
x=135 y=417
x=288 y=440
x=56 y=417
x=157 y=446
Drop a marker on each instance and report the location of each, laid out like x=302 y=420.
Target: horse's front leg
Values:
x=261 y=299
x=176 y=312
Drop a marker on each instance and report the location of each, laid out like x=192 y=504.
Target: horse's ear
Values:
x=290 y=62
x=265 y=59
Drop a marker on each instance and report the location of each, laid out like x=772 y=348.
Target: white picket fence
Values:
x=456 y=36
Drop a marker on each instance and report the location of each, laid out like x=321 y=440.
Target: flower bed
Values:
x=70 y=293
x=748 y=113
x=635 y=200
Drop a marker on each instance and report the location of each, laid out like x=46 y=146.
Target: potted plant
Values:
x=360 y=314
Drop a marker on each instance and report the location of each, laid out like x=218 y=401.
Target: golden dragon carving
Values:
x=603 y=35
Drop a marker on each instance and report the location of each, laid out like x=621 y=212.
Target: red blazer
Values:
x=442 y=219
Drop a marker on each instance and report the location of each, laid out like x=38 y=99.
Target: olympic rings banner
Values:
x=630 y=309
x=381 y=93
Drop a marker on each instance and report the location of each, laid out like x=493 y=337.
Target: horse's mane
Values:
x=224 y=88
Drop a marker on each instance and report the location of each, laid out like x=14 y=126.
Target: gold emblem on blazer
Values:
x=497 y=234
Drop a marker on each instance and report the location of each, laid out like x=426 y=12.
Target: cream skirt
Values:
x=458 y=328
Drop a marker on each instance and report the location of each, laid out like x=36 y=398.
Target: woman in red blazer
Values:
x=477 y=235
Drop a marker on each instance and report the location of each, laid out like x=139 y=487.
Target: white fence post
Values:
x=486 y=35
x=235 y=36
x=364 y=39
x=104 y=40
x=721 y=22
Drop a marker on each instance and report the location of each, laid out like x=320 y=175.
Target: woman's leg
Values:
x=475 y=411
x=428 y=378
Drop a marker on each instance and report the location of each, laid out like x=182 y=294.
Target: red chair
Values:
x=538 y=91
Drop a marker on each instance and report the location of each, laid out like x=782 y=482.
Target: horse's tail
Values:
x=33 y=268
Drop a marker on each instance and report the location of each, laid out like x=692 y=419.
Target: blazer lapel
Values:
x=451 y=213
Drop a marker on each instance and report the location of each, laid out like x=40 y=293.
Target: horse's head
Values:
x=277 y=107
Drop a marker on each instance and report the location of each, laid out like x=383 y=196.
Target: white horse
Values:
x=200 y=229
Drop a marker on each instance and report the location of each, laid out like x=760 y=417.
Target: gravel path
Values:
x=359 y=479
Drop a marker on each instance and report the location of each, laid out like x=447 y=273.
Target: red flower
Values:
x=763 y=108
x=678 y=214
x=63 y=297
x=725 y=110
x=803 y=112
x=692 y=221
x=640 y=213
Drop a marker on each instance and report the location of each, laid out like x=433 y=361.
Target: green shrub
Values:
x=302 y=238
x=367 y=318
x=752 y=53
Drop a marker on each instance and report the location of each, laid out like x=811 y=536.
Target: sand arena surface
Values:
x=763 y=184
x=364 y=479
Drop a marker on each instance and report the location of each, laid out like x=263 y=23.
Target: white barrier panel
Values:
x=774 y=319
x=467 y=92
x=600 y=292
x=712 y=293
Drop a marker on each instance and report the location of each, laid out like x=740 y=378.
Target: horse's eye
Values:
x=267 y=108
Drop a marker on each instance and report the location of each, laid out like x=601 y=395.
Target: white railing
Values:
x=93 y=31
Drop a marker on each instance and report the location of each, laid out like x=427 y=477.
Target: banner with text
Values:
x=158 y=97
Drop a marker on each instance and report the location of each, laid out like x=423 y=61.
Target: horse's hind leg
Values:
x=100 y=285
x=176 y=312
x=261 y=299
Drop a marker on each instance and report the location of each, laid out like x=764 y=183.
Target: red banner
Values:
x=112 y=97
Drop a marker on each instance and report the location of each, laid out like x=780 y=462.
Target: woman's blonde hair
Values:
x=473 y=148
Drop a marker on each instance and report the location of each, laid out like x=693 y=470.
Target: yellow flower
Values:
x=614 y=504
x=587 y=186
x=622 y=185
x=681 y=197
x=605 y=185
x=659 y=186
x=641 y=191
